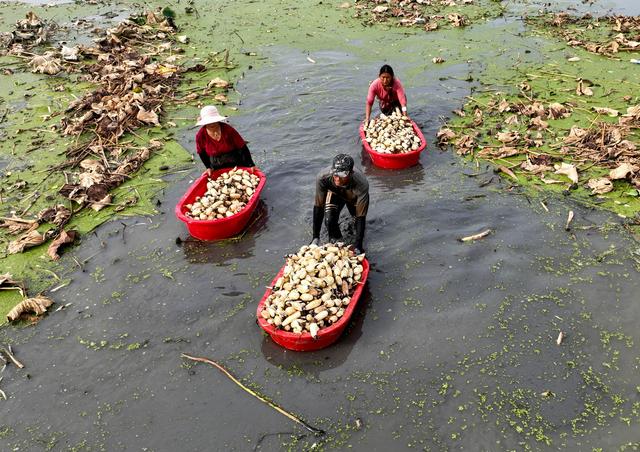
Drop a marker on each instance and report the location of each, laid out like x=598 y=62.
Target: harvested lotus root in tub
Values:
x=225 y=196
x=314 y=290
x=392 y=134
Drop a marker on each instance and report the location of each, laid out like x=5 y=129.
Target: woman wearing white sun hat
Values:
x=218 y=144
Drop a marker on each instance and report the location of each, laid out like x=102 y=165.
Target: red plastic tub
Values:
x=326 y=336
x=221 y=228
x=395 y=161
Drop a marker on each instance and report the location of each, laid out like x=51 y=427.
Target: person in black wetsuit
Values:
x=336 y=187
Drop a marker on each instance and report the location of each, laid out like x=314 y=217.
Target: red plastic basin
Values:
x=326 y=336
x=395 y=161
x=221 y=228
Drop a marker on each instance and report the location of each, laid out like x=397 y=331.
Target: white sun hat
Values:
x=209 y=115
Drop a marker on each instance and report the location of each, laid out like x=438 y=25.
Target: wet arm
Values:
x=371 y=96
x=402 y=97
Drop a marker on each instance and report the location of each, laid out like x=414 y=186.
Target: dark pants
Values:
x=391 y=108
x=332 y=208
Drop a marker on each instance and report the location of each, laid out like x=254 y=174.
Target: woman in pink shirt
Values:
x=389 y=90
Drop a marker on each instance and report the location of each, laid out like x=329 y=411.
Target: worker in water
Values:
x=218 y=144
x=389 y=91
x=336 y=187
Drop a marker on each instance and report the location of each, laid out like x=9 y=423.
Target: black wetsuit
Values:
x=330 y=199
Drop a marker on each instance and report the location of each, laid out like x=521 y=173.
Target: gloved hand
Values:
x=315 y=241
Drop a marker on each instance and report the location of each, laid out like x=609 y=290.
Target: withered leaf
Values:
x=444 y=135
x=622 y=171
x=503 y=106
x=538 y=123
x=456 y=20
x=557 y=110
x=13 y=227
x=576 y=134
x=503 y=152
x=508 y=137
x=218 y=83
x=606 y=111
x=102 y=203
x=57 y=215
x=568 y=170
x=508 y=172
x=527 y=165
x=27 y=240
x=583 y=90
x=477 y=117
x=37 y=305
x=512 y=120
x=600 y=186
x=149 y=117
x=465 y=144
x=63 y=238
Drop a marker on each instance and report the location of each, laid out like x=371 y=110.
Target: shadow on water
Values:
x=334 y=356
x=203 y=252
x=450 y=344
x=387 y=180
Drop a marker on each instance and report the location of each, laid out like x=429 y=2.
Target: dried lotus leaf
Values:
x=62 y=239
x=148 y=117
x=38 y=305
x=27 y=240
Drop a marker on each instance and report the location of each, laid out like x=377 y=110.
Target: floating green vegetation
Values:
x=611 y=36
x=567 y=123
x=428 y=15
x=118 y=344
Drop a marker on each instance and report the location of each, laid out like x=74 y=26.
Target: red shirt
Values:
x=229 y=140
x=396 y=93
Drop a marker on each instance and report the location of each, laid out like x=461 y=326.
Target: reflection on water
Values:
x=314 y=363
x=218 y=252
x=452 y=346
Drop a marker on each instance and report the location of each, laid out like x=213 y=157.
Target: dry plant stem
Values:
x=560 y=338
x=313 y=430
x=473 y=237
x=18 y=220
x=9 y=354
x=567 y=226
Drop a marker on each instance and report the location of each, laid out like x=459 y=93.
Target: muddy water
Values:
x=453 y=344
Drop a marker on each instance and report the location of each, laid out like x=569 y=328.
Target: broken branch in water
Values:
x=567 y=226
x=313 y=430
x=473 y=237
x=544 y=206
x=508 y=172
x=9 y=354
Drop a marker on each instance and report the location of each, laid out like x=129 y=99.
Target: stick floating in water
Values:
x=473 y=237
x=569 y=220
x=313 y=430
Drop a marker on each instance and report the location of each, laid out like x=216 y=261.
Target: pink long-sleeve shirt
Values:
x=396 y=93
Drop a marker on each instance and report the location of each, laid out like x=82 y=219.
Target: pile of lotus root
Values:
x=392 y=134
x=314 y=290
x=225 y=196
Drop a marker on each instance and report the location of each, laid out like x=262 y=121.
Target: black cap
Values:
x=342 y=165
